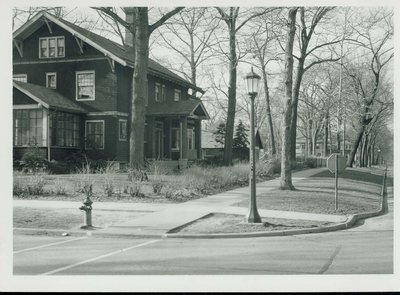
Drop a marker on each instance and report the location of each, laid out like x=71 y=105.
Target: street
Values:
x=366 y=248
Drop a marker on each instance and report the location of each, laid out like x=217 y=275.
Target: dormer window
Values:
x=51 y=47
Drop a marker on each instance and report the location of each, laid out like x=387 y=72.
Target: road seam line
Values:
x=330 y=260
x=97 y=258
x=47 y=245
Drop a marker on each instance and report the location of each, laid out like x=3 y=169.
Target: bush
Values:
x=310 y=162
x=108 y=186
x=19 y=189
x=59 y=188
x=33 y=159
x=157 y=186
x=137 y=174
x=58 y=167
x=135 y=190
x=35 y=186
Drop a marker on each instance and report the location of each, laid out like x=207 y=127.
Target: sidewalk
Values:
x=161 y=218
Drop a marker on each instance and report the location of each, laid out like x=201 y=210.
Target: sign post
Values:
x=336 y=164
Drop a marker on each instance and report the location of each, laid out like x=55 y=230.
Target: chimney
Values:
x=129 y=11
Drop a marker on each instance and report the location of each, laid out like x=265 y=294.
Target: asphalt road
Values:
x=364 y=249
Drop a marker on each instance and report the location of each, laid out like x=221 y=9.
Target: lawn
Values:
x=359 y=191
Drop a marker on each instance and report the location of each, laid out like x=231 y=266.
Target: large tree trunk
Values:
x=136 y=139
x=295 y=102
x=269 y=116
x=286 y=169
x=230 y=120
x=326 y=130
x=355 y=145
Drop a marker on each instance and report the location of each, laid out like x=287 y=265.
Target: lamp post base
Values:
x=253 y=217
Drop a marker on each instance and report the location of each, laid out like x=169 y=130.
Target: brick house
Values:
x=71 y=92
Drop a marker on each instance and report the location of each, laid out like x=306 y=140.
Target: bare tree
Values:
x=286 y=166
x=140 y=30
x=373 y=37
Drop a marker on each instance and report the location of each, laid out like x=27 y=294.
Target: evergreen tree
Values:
x=219 y=134
x=240 y=141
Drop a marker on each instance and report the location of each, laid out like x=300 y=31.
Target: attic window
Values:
x=51 y=47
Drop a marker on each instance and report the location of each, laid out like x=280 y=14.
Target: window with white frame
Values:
x=160 y=92
x=85 y=85
x=94 y=132
x=177 y=95
x=51 y=80
x=123 y=130
x=51 y=47
x=28 y=127
x=175 y=139
x=190 y=137
x=20 y=77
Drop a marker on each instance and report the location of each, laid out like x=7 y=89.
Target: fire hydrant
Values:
x=87 y=207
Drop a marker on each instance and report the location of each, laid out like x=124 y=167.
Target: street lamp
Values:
x=252 y=85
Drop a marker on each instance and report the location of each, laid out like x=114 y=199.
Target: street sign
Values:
x=331 y=163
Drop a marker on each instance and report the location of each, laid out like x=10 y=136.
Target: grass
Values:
x=358 y=192
x=231 y=223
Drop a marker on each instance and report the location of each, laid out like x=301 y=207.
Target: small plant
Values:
x=157 y=186
x=108 y=187
x=18 y=189
x=135 y=190
x=33 y=159
x=137 y=174
x=35 y=186
x=59 y=188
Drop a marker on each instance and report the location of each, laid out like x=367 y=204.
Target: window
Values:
x=175 y=139
x=20 y=77
x=177 y=95
x=64 y=129
x=94 y=135
x=160 y=92
x=51 y=47
x=28 y=127
x=123 y=130
x=190 y=136
x=85 y=85
x=51 y=80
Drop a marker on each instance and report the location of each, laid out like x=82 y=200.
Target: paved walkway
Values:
x=161 y=218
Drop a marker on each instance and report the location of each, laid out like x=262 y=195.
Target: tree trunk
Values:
x=325 y=149
x=136 y=140
x=295 y=102
x=286 y=167
x=269 y=116
x=355 y=146
x=230 y=120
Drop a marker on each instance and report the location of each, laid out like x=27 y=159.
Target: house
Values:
x=71 y=92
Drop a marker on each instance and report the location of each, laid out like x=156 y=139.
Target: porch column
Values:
x=183 y=141
x=169 y=138
x=197 y=132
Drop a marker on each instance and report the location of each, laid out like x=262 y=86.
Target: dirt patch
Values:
x=67 y=219
x=231 y=223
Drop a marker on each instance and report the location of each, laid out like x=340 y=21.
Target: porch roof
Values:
x=190 y=107
x=48 y=98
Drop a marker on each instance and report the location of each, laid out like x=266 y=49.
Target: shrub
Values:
x=58 y=167
x=108 y=186
x=137 y=174
x=310 y=163
x=35 y=185
x=33 y=159
x=59 y=188
x=135 y=190
x=157 y=186
x=19 y=189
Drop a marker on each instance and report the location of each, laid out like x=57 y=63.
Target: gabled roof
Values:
x=190 y=107
x=121 y=54
x=48 y=98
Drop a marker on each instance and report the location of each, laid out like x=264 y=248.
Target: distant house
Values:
x=72 y=92
x=213 y=149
